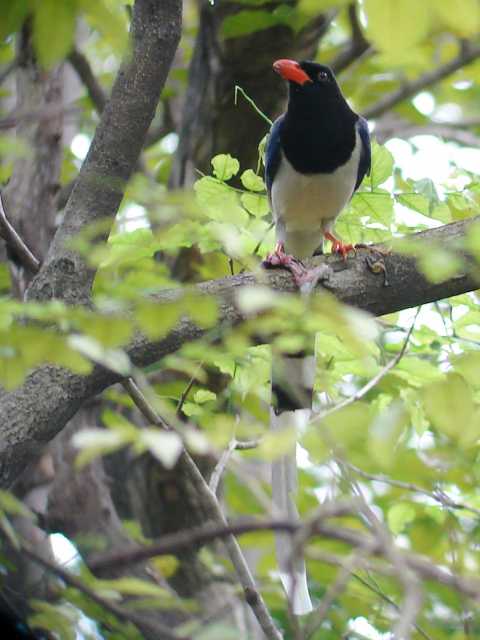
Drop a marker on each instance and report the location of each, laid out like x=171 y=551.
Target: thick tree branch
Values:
x=468 y=54
x=115 y=149
x=317 y=526
x=32 y=414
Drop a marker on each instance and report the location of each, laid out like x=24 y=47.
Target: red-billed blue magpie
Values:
x=317 y=155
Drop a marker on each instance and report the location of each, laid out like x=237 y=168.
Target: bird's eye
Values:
x=323 y=76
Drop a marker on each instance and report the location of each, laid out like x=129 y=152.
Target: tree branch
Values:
x=153 y=629
x=469 y=52
x=358 y=44
x=15 y=242
x=370 y=544
x=84 y=71
x=32 y=414
x=114 y=151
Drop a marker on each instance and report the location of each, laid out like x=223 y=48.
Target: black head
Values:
x=309 y=81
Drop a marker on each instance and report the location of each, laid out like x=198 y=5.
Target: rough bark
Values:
x=32 y=414
x=114 y=151
x=218 y=64
x=30 y=193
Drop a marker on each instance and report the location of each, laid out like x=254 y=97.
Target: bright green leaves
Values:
x=382 y=165
x=252 y=181
x=450 y=406
x=399 y=516
x=225 y=167
x=396 y=25
x=53 y=29
x=462 y=17
x=12 y=15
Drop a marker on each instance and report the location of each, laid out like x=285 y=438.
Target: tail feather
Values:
x=289 y=413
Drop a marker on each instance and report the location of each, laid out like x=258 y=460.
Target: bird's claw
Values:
x=304 y=278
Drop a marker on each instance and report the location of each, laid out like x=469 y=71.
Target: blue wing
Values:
x=273 y=153
x=365 y=152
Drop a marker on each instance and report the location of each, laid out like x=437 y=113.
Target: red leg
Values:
x=302 y=276
x=338 y=246
x=278 y=258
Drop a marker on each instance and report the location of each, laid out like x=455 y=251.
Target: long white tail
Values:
x=289 y=413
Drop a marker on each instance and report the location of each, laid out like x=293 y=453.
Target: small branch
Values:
x=139 y=620
x=212 y=507
x=438 y=496
x=405 y=130
x=371 y=383
x=15 y=242
x=468 y=54
x=357 y=46
x=221 y=465
x=84 y=71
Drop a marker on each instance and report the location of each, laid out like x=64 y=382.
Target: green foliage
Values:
x=411 y=436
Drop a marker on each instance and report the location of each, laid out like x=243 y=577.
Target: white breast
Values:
x=304 y=205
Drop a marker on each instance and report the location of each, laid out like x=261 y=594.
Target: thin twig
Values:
x=186 y=391
x=371 y=383
x=238 y=90
x=437 y=495
x=388 y=600
x=187 y=466
x=468 y=54
x=139 y=620
x=15 y=242
x=221 y=465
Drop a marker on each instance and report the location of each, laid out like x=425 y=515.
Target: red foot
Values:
x=278 y=258
x=338 y=246
x=305 y=279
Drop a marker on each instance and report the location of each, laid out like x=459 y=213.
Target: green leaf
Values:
x=157 y=320
x=396 y=25
x=97 y=442
x=415 y=201
x=399 y=516
x=225 y=166
x=450 y=407
x=255 y=204
x=245 y=22
x=204 y=395
x=132 y=587
x=252 y=181
x=10 y=504
x=382 y=165
x=439 y=264
x=462 y=17
x=53 y=30
x=12 y=15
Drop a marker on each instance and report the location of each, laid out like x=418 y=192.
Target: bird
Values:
x=316 y=156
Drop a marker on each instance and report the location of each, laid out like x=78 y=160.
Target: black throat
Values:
x=318 y=131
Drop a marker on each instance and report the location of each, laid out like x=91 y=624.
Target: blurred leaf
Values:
x=382 y=165
x=166 y=446
x=396 y=25
x=399 y=516
x=462 y=17
x=54 y=27
x=449 y=405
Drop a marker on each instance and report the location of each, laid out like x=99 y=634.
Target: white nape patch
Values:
x=303 y=205
x=80 y=145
